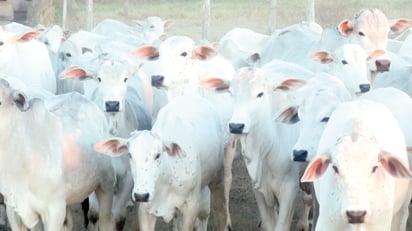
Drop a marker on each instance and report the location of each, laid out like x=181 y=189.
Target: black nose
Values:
x=356 y=216
x=141 y=197
x=157 y=80
x=112 y=106
x=364 y=87
x=382 y=65
x=236 y=128
x=300 y=155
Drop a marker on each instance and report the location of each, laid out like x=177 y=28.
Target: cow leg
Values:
x=68 y=222
x=204 y=210
x=92 y=213
x=16 y=223
x=121 y=200
x=287 y=198
x=268 y=214
x=3 y=214
x=220 y=205
x=190 y=211
x=303 y=223
x=54 y=218
x=230 y=153
x=85 y=209
x=147 y=222
x=105 y=200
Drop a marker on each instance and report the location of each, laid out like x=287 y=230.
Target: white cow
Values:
x=61 y=167
x=239 y=44
x=175 y=162
x=369 y=29
x=183 y=65
x=147 y=31
x=265 y=147
x=120 y=93
x=361 y=174
x=19 y=50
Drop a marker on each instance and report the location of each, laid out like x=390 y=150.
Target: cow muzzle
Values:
x=356 y=216
x=236 y=128
x=364 y=87
x=112 y=106
x=141 y=197
x=382 y=65
x=300 y=155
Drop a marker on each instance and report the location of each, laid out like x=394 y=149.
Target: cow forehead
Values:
x=352 y=52
x=356 y=150
x=113 y=69
x=144 y=144
x=372 y=21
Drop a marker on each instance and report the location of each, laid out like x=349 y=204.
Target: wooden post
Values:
x=126 y=8
x=206 y=19
x=64 y=15
x=273 y=14
x=89 y=15
x=310 y=11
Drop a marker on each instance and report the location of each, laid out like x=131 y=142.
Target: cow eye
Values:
x=184 y=54
x=374 y=169
x=157 y=156
x=344 y=62
x=68 y=55
x=260 y=95
x=46 y=42
x=1 y=43
x=361 y=33
x=99 y=79
x=325 y=119
x=152 y=26
x=125 y=79
x=335 y=168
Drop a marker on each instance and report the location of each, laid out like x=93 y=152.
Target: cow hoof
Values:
x=120 y=224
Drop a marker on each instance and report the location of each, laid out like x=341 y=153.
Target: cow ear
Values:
x=323 y=57
x=20 y=99
x=173 y=150
x=345 y=27
x=146 y=52
x=290 y=84
x=167 y=23
x=28 y=36
x=75 y=73
x=316 y=168
x=399 y=25
x=112 y=146
x=394 y=167
x=215 y=84
x=204 y=53
x=288 y=116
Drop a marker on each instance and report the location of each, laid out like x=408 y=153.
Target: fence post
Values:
x=206 y=19
x=89 y=15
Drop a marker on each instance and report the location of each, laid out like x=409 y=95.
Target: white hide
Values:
x=359 y=173
x=181 y=155
x=27 y=59
x=265 y=147
x=61 y=166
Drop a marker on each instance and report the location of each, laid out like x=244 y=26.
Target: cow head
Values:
x=148 y=160
x=249 y=93
x=357 y=170
x=349 y=63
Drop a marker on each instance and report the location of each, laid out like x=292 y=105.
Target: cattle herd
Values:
x=126 y=116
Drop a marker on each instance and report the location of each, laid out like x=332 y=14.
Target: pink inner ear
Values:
x=345 y=27
x=28 y=36
x=174 y=150
x=204 y=53
x=394 y=167
x=146 y=53
x=214 y=84
x=290 y=84
x=315 y=169
x=74 y=73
